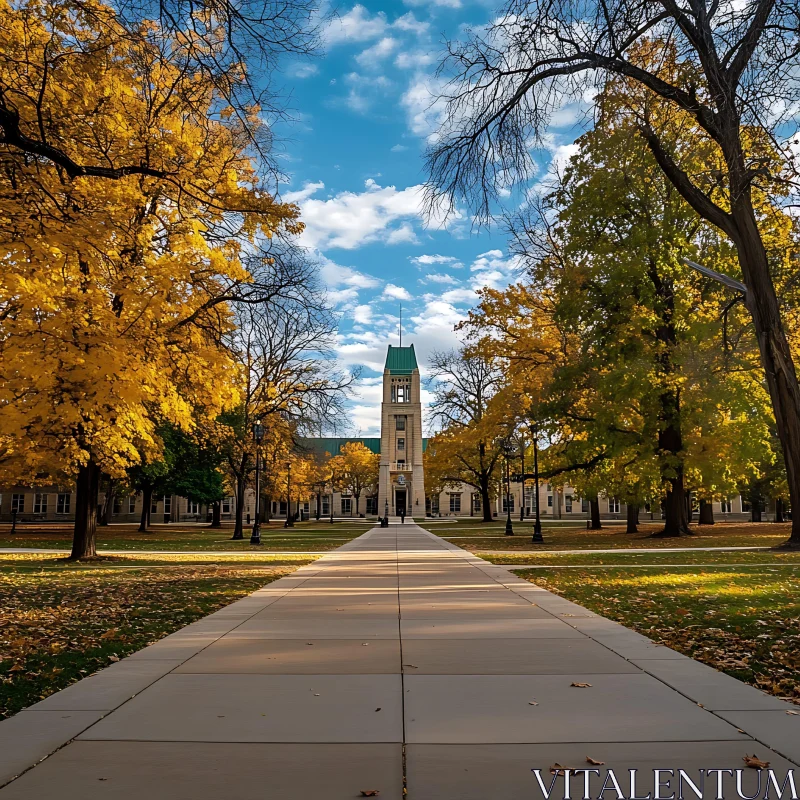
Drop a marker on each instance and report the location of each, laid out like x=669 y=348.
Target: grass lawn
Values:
x=738 y=612
x=60 y=622
x=477 y=536
x=304 y=536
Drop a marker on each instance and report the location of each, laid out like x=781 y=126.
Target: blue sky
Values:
x=364 y=114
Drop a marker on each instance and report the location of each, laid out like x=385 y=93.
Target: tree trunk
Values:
x=706 y=516
x=633 y=519
x=670 y=444
x=238 y=526
x=87 y=489
x=779 y=510
x=216 y=514
x=317 y=509
x=266 y=506
x=358 y=496
x=594 y=512
x=147 y=497
x=486 y=500
x=755 y=509
x=776 y=356
x=108 y=503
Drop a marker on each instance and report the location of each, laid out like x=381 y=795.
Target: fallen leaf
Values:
x=755 y=762
x=582 y=685
x=794 y=713
x=370 y=792
x=411 y=666
x=557 y=769
x=590 y=760
x=378 y=709
x=532 y=703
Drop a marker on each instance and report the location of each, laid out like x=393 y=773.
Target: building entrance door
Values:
x=400 y=502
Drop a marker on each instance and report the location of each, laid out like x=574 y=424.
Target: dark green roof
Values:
x=401 y=360
x=334 y=445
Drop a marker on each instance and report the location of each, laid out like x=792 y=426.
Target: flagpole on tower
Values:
x=401 y=324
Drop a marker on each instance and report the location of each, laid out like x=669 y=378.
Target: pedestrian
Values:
x=402 y=516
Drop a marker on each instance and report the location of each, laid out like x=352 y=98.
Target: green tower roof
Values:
x=401 y=360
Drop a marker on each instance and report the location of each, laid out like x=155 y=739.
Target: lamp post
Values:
x=508 y=451
x=522 y=464
x=289 y=521
x=537 y=523
x=258 y=436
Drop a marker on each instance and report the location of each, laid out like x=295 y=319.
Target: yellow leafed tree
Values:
x=115 y=294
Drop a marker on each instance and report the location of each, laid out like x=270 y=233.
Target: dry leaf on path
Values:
x=370 y=792
x=590 y=760
x=755 y=762
x=582 y=685
x=557 y=769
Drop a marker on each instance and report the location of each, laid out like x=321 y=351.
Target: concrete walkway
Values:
x=398 y=655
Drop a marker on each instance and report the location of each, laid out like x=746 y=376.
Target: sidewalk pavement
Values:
x=397 y=655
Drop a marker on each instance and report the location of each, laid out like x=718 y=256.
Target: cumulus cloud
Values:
x=440 y=3
x=352 y=219
x=362 y=314
x=357 y=25
x=441 y=277
x=393 y=292
x=414 y=59
x=301 y=70
x=399 y=148
x=372 y=57
x=427 y=260
x=425 y=112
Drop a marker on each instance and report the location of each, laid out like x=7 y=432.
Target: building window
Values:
x=347 y=505
x=17 y=503
x=549 y=501
x=476 y=502
x=192 y=507
x=455 y=502
x=326 y=506
x=401 y=444
x=372 y=505
x=508 y=503
x=226 y=505
x=282 y=508
x=568 y=504
x=132 y=504
x=153 y=505
x=400 y=422
x=725 y=506
x=117 y=505
x=401 y=392
x=585 y=506
x=613 y=505
x=40 y=503
x=63 y=503
x=167 y=505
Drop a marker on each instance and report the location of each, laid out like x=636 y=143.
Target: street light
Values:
x=537 y=537
x=289 y=521
x=258 y=436
x=522 y=465
x=508 y=450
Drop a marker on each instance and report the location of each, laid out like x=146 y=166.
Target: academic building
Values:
x=401 y=485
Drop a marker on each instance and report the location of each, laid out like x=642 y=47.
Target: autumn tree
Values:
x=56 y=60
x=356 y=469
x=116 y=296
x=468 y=447
x=738 y=82
x=288 y=378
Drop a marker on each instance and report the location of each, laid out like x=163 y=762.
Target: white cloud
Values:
x=441 y=277
x=357 y=25
x=405 y=234
x=302 y=70
x=352 y=219
x=372 y=57
x=399 y=148
x=364 y=90
x=334 y=274
x=392 y=292
x=426 y=260
x=414 y=59
x=425 y=112
x=301 y=195
x=408 y=22
x=459 y=296
x=442 y=3
x=362 y=314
